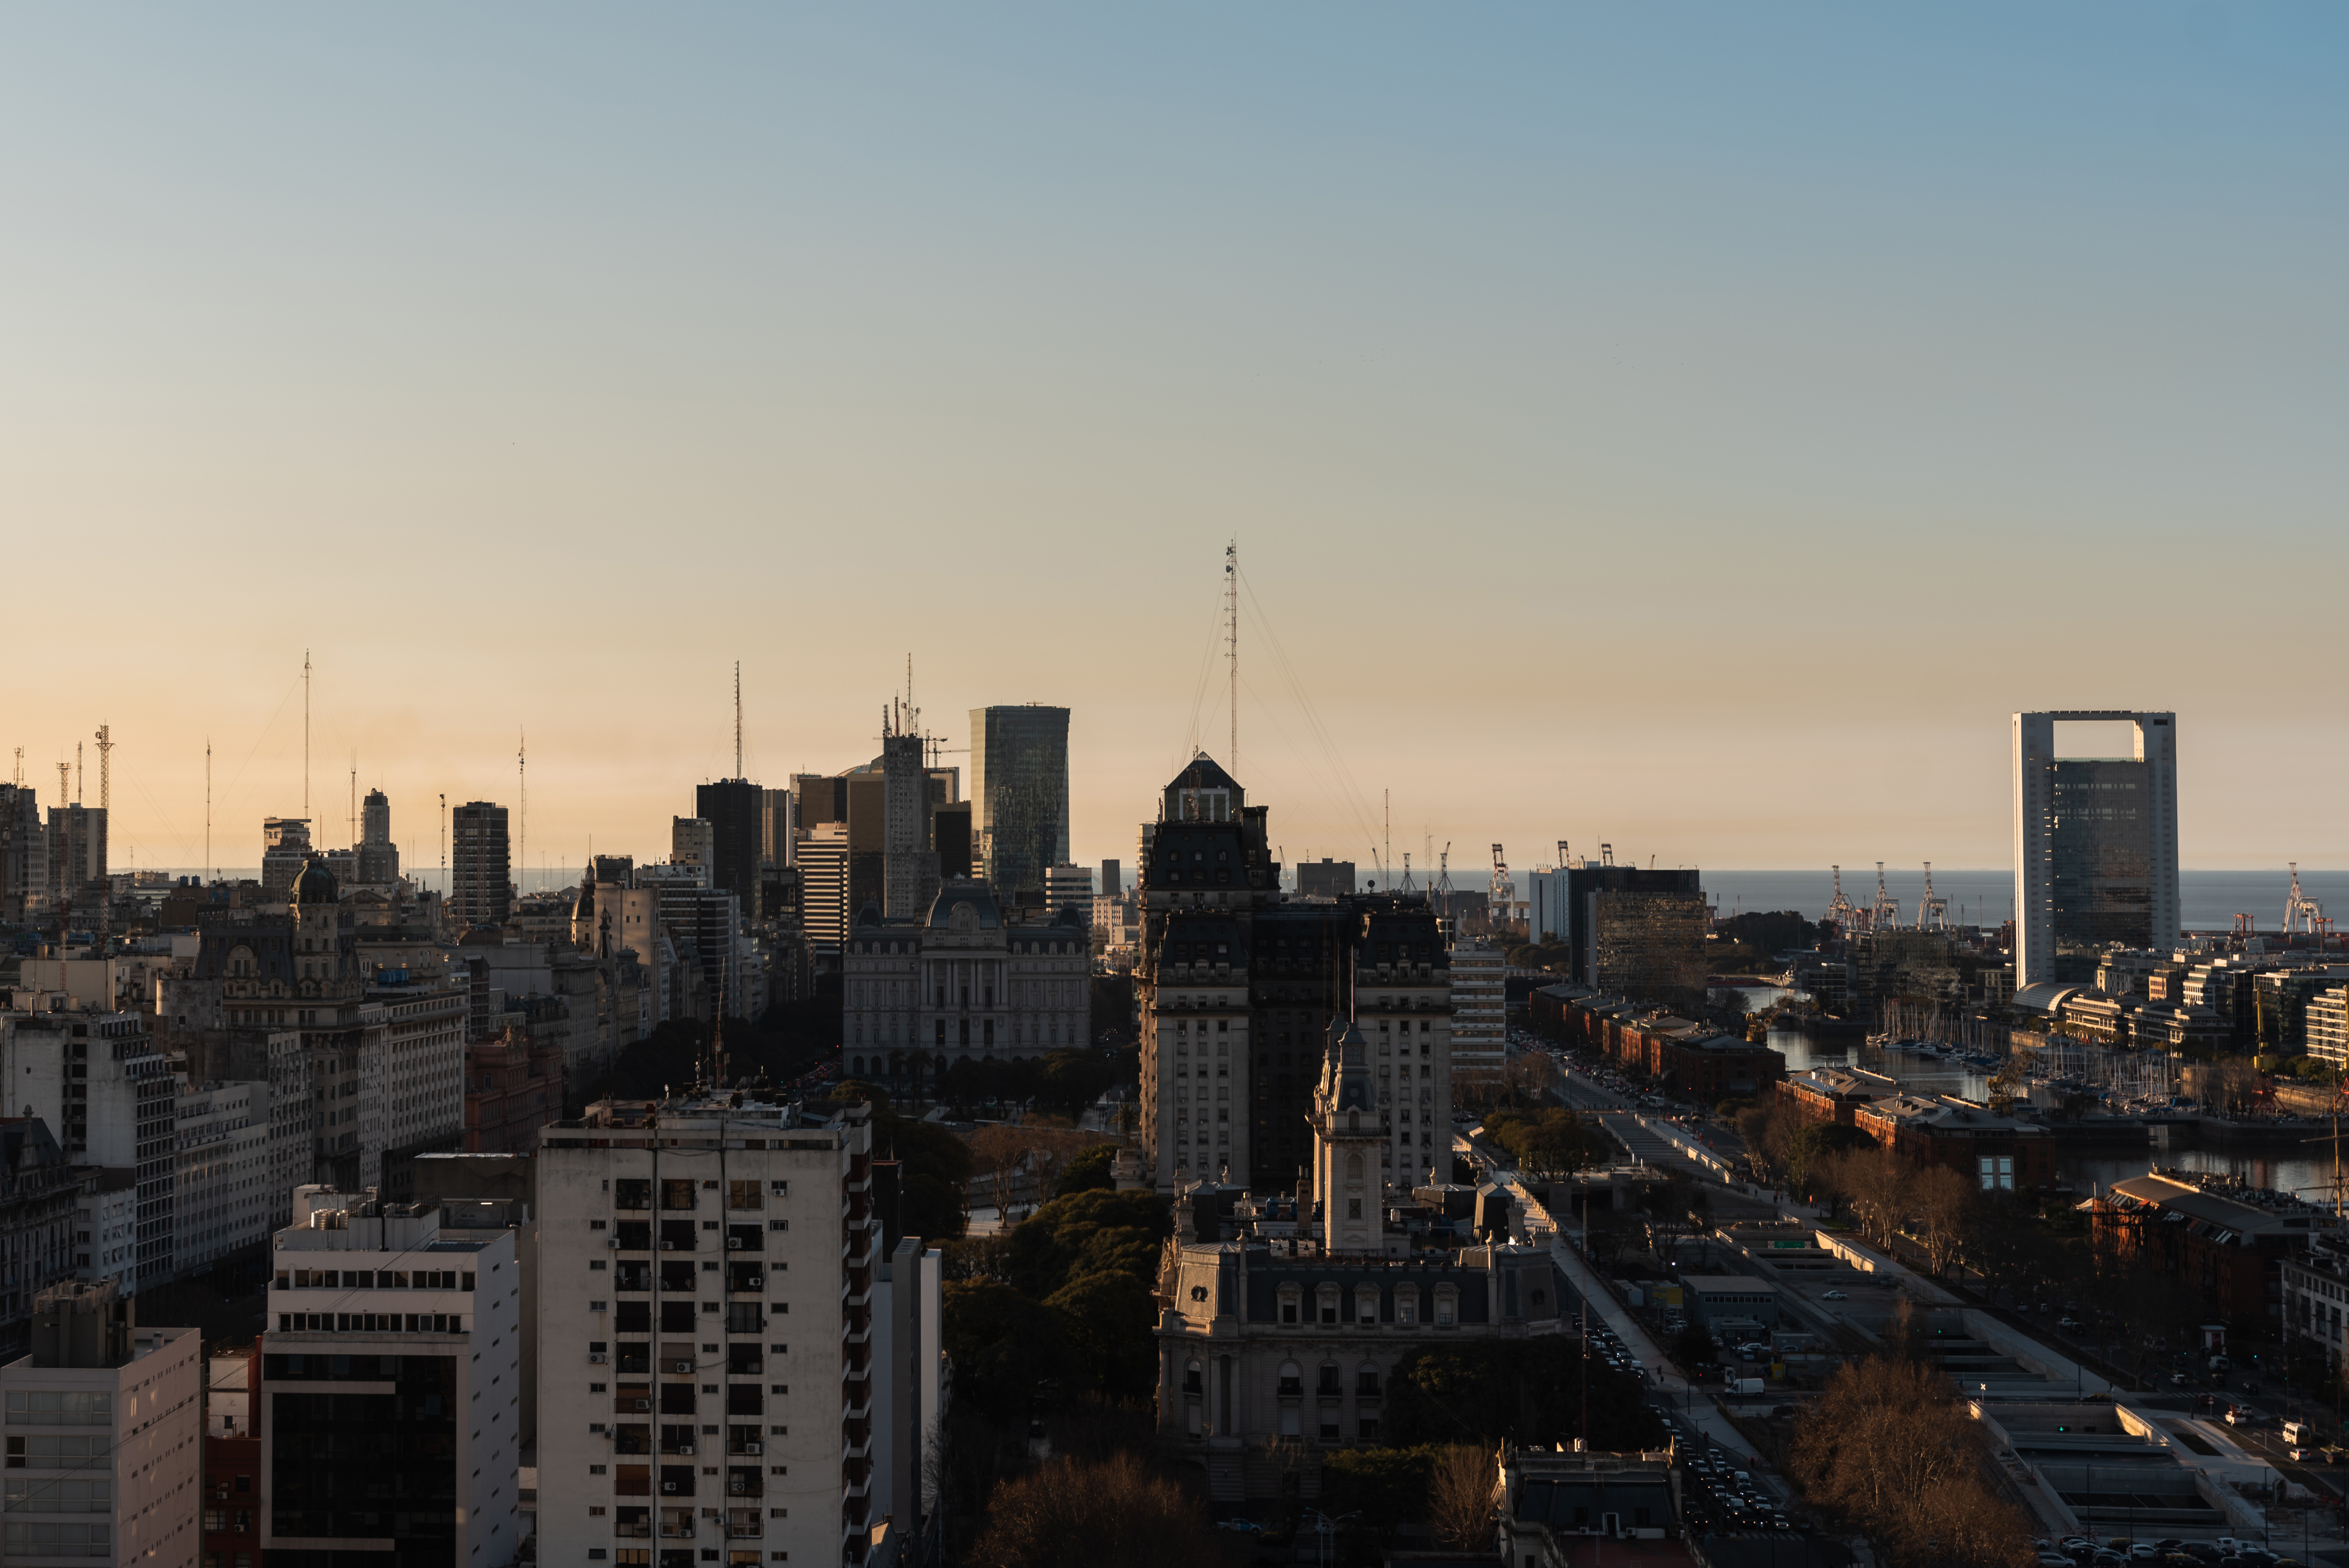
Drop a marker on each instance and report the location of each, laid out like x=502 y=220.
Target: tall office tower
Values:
x=1020 y=794
x=378 y=857
x=105 y=1423
x=909 y=860
x=1638 y=933
x=733 y=809
x=2096 y=846
x=24 y=856
x=692 y=842
x=823 y=855
x=777 y=820
x=1070 y=886
x=1238 y=990
x=712 y=1343
x=1112 y=881
x=284 y=851
x=78 y=854
x=481 y=865
x=391 y=1389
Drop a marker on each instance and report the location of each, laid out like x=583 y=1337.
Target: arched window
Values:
x=1328 y=1387
x=1292 y=1381
x=1193 y=1377
x=1406 y=1304
x=1366 y=1379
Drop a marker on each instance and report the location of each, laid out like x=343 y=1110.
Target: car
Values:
x=2068 y=1323
x=1240 y=1526
x=1834 y=1295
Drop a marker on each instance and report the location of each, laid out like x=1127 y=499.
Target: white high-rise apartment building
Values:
x=709 y=1375
x=223 y=1201
x=1479 y=1028
x=105 y=1436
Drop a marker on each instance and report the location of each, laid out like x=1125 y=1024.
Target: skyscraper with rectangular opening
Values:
x=2095 y=845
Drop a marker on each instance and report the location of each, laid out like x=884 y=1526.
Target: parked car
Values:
x=1834 y=1295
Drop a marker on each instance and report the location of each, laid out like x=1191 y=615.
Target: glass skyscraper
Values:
x=1020 y=794
x=2095 y=847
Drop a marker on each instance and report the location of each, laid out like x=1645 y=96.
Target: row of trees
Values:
x=1551 y=1143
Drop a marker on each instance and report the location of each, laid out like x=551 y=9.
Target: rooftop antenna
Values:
x=20 y=767
x=77 y=772
x=105 y=800
x=521 y=784
x=305 y=732
x=355 y=800
x=445 y=889
x=64 y=770
x=738 y=718
x=207 y=809
x=1386 y=806
x=1232 y=612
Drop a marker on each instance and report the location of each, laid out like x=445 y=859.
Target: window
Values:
x=1997 y=1172
x=1292 y=1380
x=1328 y=1387
x=1193 y=1378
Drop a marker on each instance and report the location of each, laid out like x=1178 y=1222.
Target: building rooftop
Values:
x=1942 y=1114
x=2245 y=1212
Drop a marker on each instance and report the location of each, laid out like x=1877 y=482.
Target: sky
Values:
x=1690 y=427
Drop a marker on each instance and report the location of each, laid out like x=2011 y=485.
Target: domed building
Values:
x=964 y=981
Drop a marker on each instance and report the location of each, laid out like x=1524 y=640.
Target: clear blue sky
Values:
x=1692 y=426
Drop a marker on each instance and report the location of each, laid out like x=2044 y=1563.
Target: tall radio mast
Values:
x=738 y=718
x=1232 y=614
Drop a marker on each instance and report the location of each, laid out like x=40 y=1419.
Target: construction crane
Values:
x=1885 y=914
x=1504 y=891
x=1841 y=910
x=1932 y=908
x=2300 y=913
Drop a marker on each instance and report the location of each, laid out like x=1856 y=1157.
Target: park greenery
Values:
x=1551 y=1142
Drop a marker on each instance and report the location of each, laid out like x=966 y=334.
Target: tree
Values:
x=1521 y=1392
x=1107 y=1510
x=1088 y=1171
x=1945 y=1205
x=1460 y=1488
x=1889 y=1452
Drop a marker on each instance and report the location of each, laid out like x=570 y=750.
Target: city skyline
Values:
x=1695 y=436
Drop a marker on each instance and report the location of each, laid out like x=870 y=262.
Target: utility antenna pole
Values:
x=522 y=778
x=1386 y=806
x=20 y=767
x=78 y=773
x=1232 y=612
x=355 y=800
x=106 y=800
x=445 y=889
x=738 y=713
x=305 y=732
x=209 y=867
x=65 y=773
